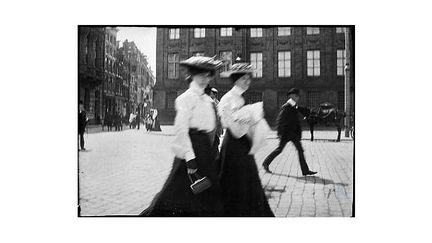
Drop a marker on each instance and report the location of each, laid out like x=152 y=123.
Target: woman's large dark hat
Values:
x=203 y=63
x=294 y=91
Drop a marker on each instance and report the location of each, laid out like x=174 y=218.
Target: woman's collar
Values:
x=196 y=88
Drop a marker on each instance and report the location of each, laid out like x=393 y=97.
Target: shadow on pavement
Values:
x=269 y=190
x=319 y=140
x=160 y=134
x=84 y=151
x=314 y=179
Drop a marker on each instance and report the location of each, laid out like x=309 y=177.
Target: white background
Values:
x=39 y=102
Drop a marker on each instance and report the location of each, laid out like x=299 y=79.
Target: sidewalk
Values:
x=120 y=173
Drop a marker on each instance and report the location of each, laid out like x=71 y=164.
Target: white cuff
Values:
x=189 y=155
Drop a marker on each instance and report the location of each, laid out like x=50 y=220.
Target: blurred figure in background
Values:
x=82 y=123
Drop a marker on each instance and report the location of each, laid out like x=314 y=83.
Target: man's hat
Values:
x=200 y=62
x=294 y=91
x=241 y=67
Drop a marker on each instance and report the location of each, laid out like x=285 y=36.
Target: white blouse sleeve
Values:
x=232 y=118
x=182 y=145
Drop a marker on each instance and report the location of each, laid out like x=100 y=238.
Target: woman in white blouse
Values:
x=243 y=194
x=194 y=125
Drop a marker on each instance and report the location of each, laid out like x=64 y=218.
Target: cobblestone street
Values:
x=120 y=173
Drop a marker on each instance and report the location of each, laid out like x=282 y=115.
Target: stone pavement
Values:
x=121 y=172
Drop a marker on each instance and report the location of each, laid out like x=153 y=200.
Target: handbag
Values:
x=200 y=185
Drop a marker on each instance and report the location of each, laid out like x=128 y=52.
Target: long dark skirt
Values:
x=176 y=197
x=243 y=194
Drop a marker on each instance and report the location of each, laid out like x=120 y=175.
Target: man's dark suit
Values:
x=288 y=129
x=82 y=122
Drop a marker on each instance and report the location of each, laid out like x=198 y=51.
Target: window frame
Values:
x=340 y=30
x=202 y=33
x=312 y=30
x=169 y=100
x=311 y=98
x=225 y=67
x=176 y=34
x=343 y=59
x=176 y=65
x=255 y=30
x=284 y=62
x=255 y=65
x=280 y=32
x=226 y=32
x=314 y=67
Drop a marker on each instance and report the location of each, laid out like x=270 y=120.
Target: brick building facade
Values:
x=91 y=70
x=112 y=79
x=309 y=58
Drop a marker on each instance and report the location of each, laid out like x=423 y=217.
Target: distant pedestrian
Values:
x=289 y=129
x=82 y=123
x=155 y=126
x=194 y=125
x=148 y=121
x=131 y=121
x=138 y=118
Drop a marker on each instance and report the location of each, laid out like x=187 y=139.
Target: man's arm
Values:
x=281 y=121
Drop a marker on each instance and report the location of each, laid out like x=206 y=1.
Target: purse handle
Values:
x=197 y=175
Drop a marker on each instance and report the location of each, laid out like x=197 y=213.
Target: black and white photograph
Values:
x=216 y=121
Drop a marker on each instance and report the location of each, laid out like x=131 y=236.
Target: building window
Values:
x=253 y=97
x=313 y=63
x=340 y=62
x=173 y=65
x=256 y=62
x=341 y=100
x=284 y=64
x=256 y=32
x=170 y=100
x=198 y=54
x=282 y=98
x=174 y=34
x=340 y=29
x=313 y=99
x=87 y=99
x=87 y=51
x=226 y=57
x=226 y=32
x=284 y=31
x=199 y=32
x=312 y=30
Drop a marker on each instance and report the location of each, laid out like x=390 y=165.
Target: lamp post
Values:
x=347 y=81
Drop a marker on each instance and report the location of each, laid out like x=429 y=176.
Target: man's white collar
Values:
x=292 y=102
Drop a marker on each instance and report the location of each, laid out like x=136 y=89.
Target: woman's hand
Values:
x=192 y=166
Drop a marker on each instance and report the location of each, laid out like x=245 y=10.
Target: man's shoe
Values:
x=83 y=149
x=266 y=168
x=309 y=173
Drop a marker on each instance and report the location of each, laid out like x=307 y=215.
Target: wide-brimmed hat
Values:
x=294 y=91
x=241 y=68
x=200 y=62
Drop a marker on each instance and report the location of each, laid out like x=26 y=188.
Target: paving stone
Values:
x=122 y=171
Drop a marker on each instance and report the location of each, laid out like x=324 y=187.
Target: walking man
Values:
x=82 y=122
x=138 y=117
x=289 y=129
